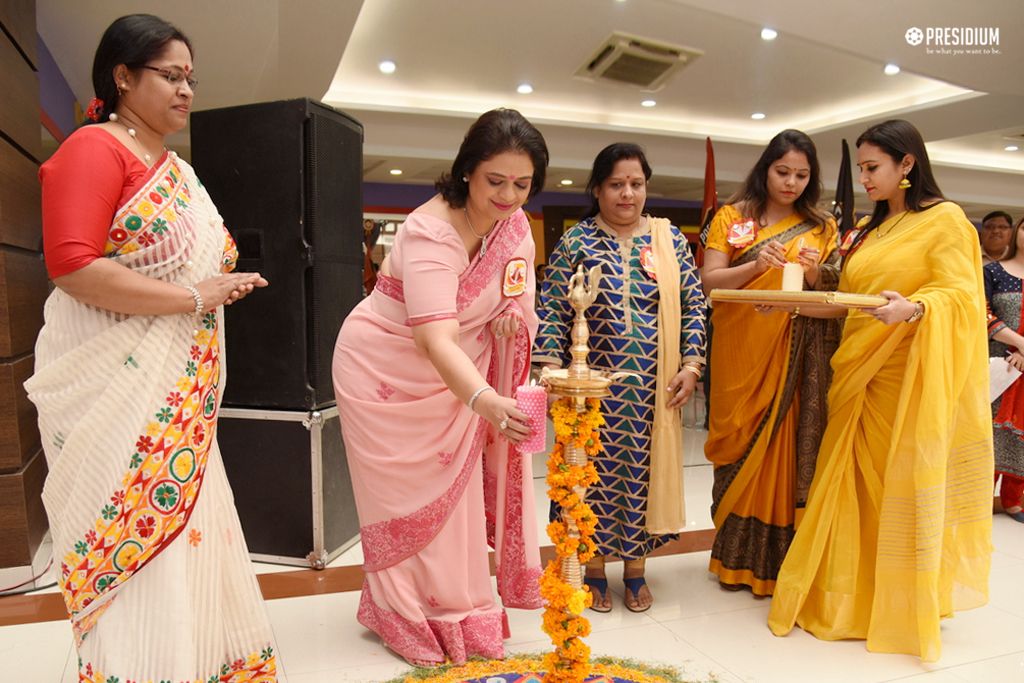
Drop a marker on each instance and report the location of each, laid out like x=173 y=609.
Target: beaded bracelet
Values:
x=476 y=395
x=197 y=312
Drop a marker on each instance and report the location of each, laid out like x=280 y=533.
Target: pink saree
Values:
x=434 y=483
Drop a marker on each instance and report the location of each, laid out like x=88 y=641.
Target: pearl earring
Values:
x=465 y=179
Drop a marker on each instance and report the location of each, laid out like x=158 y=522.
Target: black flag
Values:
x=842 y=207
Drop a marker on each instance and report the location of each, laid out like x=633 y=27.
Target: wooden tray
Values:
x=769 y=297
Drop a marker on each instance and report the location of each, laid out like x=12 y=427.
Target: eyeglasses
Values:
x=999 y=227
x=174 y=75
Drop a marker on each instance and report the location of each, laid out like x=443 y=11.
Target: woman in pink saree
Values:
x=424 y=371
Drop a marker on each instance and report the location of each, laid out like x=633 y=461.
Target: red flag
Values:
x=710 y=203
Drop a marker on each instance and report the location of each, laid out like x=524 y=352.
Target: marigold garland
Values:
x=563 y=618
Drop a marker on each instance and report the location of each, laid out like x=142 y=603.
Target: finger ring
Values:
x=503 y=424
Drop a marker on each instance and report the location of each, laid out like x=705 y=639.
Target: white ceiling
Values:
x=458 y=58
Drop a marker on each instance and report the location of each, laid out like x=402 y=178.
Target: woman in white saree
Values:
x=153 y=567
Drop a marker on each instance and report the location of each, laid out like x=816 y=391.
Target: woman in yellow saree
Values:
x=770 y=371
x=897 y=532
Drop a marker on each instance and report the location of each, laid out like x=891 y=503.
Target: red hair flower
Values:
x=94 y=109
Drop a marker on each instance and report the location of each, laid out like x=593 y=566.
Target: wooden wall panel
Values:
x=19 y=434
x=19 y=20
x=22 y=516
x=19 y=111
x=23 y=290
x=20 y=200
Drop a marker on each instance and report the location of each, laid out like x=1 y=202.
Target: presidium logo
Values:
x=955 y=40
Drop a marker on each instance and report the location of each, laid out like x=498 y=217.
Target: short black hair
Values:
x=495 y=132
x=997 y=214
x=133 y=40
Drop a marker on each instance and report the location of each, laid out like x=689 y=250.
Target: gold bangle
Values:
x=917 y=314
x=694 y=368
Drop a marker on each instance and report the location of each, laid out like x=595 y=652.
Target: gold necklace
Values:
x=893 y=226
x=483 y=237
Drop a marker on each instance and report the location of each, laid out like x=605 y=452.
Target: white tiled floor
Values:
x=705 y=632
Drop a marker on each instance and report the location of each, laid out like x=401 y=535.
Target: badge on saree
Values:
x=647 y=262
x=742 y=233
x=514 y=282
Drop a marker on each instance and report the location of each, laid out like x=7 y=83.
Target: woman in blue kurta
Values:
x=641 y=258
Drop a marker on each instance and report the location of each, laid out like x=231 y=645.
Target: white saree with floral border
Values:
x=151 y=561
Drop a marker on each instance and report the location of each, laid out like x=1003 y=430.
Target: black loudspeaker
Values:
x=291 y=482
x=287 y=178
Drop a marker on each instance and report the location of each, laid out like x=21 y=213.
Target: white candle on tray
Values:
x=792 y=277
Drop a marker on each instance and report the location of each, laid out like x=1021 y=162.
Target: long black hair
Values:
x=604 y=164
x=898 y=138
x=133 y=40
x=753 y=193
x=496 y=131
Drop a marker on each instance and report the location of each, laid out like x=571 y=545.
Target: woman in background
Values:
x=1005 y=296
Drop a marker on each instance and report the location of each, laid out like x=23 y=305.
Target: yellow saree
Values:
x=897 y=532
x=769 y=375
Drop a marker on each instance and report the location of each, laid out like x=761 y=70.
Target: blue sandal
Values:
x=599 y=587
x=633 y=585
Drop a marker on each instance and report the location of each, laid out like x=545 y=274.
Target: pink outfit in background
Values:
x=434 y=483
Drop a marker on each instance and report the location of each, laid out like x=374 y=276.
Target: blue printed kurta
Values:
x=623 y=337
x=1003 y=293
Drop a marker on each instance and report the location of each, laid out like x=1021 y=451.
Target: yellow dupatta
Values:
x=665 y=504
x=897 y=532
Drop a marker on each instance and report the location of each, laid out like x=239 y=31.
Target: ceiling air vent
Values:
x=645 y=63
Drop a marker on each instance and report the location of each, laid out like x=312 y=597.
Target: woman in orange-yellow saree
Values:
x=148 y=550
x=771 y=370
x=897 y=531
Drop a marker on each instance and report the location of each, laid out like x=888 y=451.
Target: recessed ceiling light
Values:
x=648 y=103
x=395 y=171
x=387 y=67
x=1011 y=148
x=769 y=33
x=891 y=69
x=565 y=181
x=524 y=89
x=757 y=116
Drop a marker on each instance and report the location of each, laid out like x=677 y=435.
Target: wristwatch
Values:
x=918 y=312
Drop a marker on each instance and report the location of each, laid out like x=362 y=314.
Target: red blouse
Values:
x=89 y=177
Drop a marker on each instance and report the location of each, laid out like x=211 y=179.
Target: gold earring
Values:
x=904 y=184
